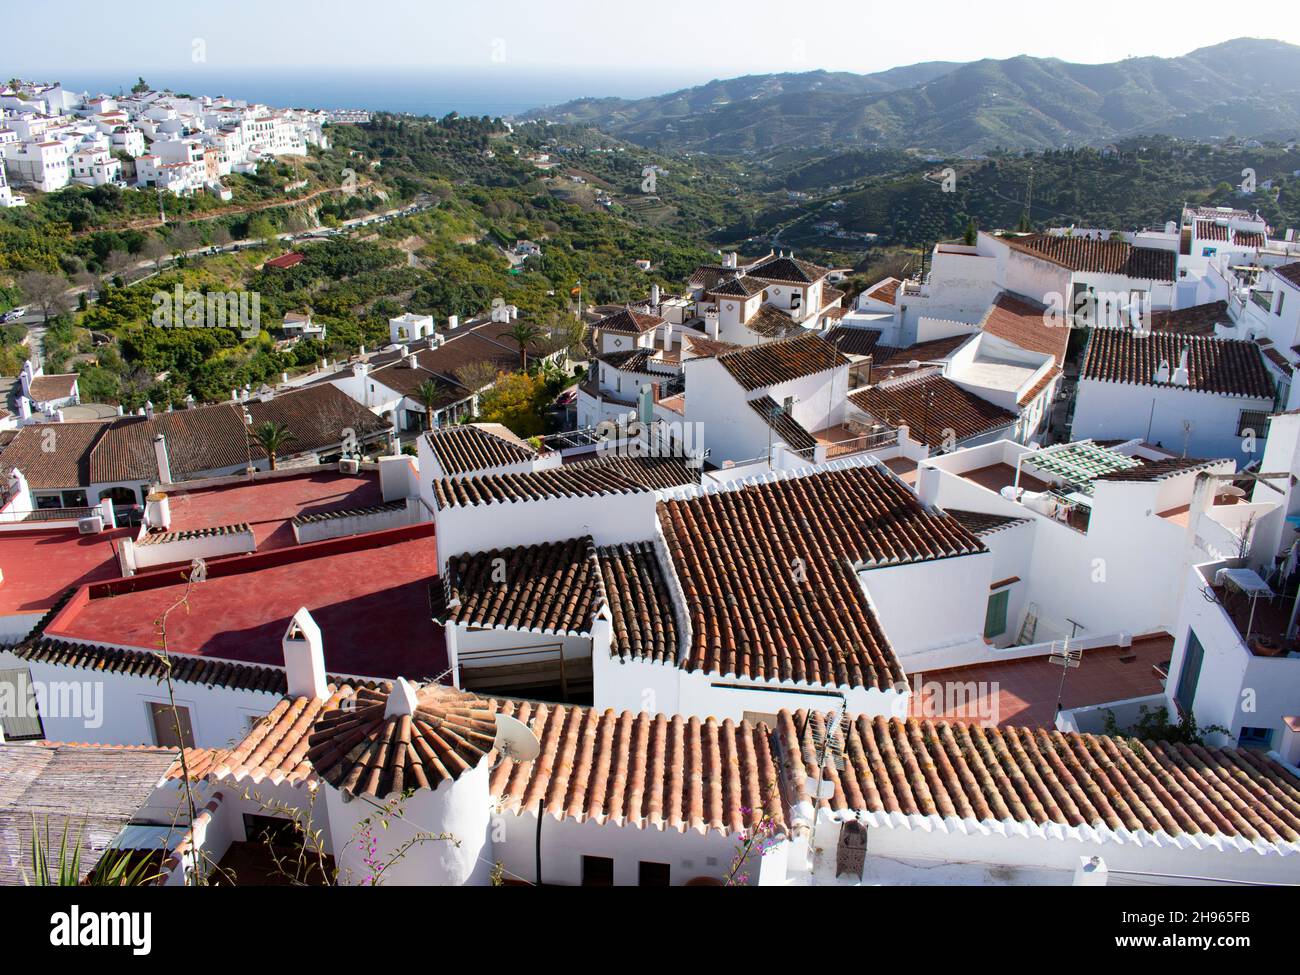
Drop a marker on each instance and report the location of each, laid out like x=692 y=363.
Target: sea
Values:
x=501 y=90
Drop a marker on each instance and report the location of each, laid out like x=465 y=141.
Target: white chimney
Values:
x=160 y=456
x=148 y=409
x=711 y=324
x=452 y=322
x=654 y=297
x=1162 y=372
x=1180 y=377
x=304 y=658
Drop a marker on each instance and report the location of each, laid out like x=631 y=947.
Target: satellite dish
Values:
x=514 y=741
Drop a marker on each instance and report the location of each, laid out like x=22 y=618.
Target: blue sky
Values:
x=687 y=40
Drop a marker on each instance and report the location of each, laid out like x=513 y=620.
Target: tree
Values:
x=184 y=239
x=272 y=437
x=972 y=233
x=154 y=250
x=48 y=292
x=117 y=263
x=140 y=86
x=524 y=333
x=428 y=393
x=515 y=401
x=476 y=376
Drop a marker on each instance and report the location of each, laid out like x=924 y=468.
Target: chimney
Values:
x=654 y=298
x=431 y=340
x=160 y=456
x=452 y=322
x=304 y=658
x=1180 y=377
x=148 y=409
x=1162 y=372
x=711 y=324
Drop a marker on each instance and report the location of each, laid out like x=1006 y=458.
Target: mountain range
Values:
x=1244 y=87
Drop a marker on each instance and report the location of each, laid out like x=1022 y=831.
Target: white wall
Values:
x=1106 y=410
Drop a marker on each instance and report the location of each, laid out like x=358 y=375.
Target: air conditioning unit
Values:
x=349 y=466
x=92 y=525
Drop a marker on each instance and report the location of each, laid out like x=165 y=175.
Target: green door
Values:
x=995 y=620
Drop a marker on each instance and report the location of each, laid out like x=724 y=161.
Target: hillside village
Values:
x=993 y=565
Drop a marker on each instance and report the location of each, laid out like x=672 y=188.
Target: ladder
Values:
x=1029 y=627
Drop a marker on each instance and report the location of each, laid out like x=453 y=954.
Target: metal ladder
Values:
x=1029 y=626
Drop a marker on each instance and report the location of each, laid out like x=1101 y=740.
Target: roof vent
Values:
x=1162 y=373
x=1180 y=377
x=401 y=699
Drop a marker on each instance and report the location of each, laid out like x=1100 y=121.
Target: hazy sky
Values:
x=688 y=39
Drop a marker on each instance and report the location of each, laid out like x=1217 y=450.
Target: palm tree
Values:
x=524 y=333
x=427 y=393
x=272 y=437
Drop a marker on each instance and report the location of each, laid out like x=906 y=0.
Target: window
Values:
x=164 y=726
x=654 y=874
x=1254 y=421
x=995 y=619
x=597 y=872
x=1193 y=655
x=1255 y=738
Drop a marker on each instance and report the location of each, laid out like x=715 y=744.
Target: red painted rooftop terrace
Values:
x=368 y=593
x=269 y=504
x=39 y=566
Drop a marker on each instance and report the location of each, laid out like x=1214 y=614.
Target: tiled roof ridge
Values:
x=185 y=667
x=688 y=492
x=305 y=519
x=958 y=777
x=160 y=538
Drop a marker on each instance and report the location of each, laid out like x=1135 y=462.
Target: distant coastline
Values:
x=503 y=91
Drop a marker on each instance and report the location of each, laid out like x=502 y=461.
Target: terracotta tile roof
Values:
x=785 y=426
x=549 y=588
x=931 y=405
x=634 y=360
x=772 y=363
x=1277 y=358
x=892 y=361
x=627 y=320
x=66 y=466
x=1024 y=324
x=737 y=287
x=772 y=323
x=209 y=438
x=1210 y=230
x=406 y=380
x=644 y=770
x=886 y=290
x=854 y=341
x=941 y=771
x=285 y=261
x=1228 y=366
x=1158 y=470
x=1289 y=273
x=154 y=537
x=789 y=269
x=701 y=346
x=979 y=523
x=316 y=517
x=644 y=623
x=46 y=388
x=1032 y=392
x=1249 y=238
x=274 y=750
x=469 y=447
x=362 y=752
x=1194 y=320
x=185 y=667
x=1084 y=254
x=588 y=478
x=766 y=578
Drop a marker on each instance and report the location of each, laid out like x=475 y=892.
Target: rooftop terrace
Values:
x=39 y=565
x=270 y=505
x=369 y=594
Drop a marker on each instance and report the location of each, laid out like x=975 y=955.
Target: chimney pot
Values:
x=304 y=658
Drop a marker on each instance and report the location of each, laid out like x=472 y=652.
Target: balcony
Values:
x=1261 y=621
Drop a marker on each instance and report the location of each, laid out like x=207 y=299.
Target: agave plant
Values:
x=62 y=867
